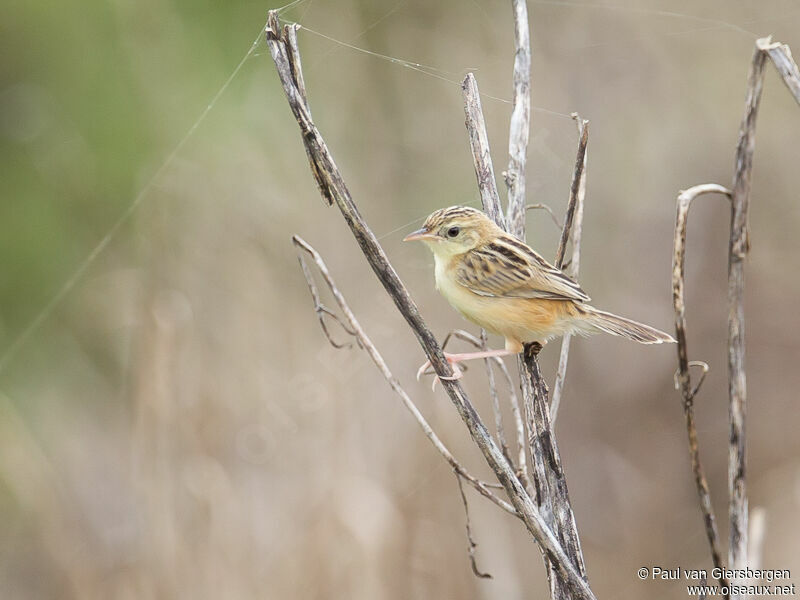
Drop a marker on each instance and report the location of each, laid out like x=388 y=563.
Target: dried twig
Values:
x=577 y=177
x=578 y=192
x=471 y=545
x=479 y=144
x=550 y=481
x=354 y=328
x=737 y=250
x=498 y=413
x=782 y=59
x=545 y=207
x=519 y=129
x=333 y=188
x=323 y=311
x=683 y=378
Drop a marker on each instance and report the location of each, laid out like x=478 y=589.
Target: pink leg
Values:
x=454 y=359
x=457 y=358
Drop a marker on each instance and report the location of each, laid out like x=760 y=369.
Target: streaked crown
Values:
x=445 y=216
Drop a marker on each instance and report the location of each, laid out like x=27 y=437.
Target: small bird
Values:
x=501 y=284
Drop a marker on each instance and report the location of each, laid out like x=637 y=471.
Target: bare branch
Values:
x=577 y=176
x=471 y=545
x=519 y=129
x=575 y=261
x=334 y=189
x=355 y=329
x=704 y=369
x=481 y=152
x=498 y=413
x=540 y=206
x=549 y=479
x=737 y=250
x=781 y=57
x=322 y=311
x=683 y=378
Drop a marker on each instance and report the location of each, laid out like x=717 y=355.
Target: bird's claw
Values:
x=457 y=372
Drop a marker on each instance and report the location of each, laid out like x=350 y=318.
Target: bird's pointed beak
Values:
x=419 y=234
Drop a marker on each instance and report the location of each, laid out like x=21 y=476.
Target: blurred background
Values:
x=177 y=426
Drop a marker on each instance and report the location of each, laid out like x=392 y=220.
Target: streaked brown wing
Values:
x=507 y=268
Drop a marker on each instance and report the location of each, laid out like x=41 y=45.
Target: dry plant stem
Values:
x=479 y=144
x=684 y=376
x=333 y=188
x=519 y=129
x=738 y=248
x=322 y=311
x=737 y=251
x=471 y=545
x=545 y=207
x=498 y=414
x=577 y=175
x=354 y=328
x=551 y=482
x=781 y=57
x=575 y=261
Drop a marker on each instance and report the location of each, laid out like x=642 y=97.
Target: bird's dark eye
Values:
x=453 y=232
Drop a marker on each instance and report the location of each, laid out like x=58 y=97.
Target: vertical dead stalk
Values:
x=481 y=156
x=550 y=481
x=683 y=377
x=519 y=128
x=737 y=251
x=471 y=545
x=574 y=193
x=578 y=192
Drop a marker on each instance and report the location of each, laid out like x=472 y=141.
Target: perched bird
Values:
x=500 y=283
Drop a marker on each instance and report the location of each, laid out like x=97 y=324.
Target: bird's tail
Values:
x=608 y=323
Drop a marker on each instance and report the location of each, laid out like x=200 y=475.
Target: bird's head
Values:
x=455 y=230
